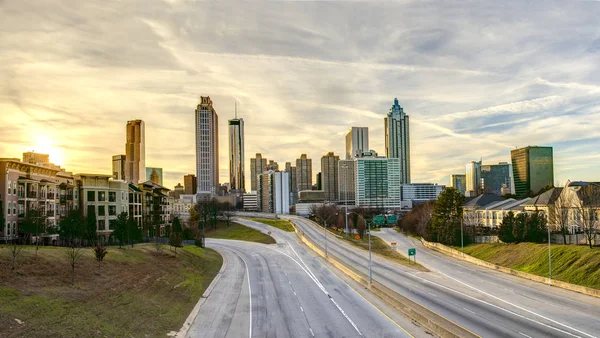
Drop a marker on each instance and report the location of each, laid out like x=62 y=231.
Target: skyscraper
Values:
x=304 y=173
x=473 y=179
x=207 y=147
x=135 y=152
x=494 y=177
x=397 y=139
x=347 y=181
x=155 y=175
x=459 y=182
x=292 y=182
x=190 y=185
x=273 y=192
x=329 y=176
x=258 y=165
x=273 y=165
x=118 y=167
x=236 y=154
x=533 y=169
x=357 y=141
x=378 y=182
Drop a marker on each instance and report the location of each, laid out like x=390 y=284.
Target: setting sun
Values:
x=44 y=145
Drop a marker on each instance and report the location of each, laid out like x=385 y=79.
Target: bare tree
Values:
x=587 y=208
x=228 y=212
x=15 y=250
x=558 y=214
x=423 y=216
x=72 y=254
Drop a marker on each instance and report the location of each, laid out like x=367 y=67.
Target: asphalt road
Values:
x=282 y=290
x=489 y=303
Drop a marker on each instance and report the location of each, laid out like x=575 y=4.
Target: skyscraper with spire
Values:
x=397 y=139
x=236 y=153
x=207 y=148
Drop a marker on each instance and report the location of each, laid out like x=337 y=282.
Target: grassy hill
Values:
x=136 y=293
x=238 y=232
x=570 y=263
x=282 y=224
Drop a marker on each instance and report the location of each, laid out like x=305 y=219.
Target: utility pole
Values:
x=549 y=254
x=370 y=259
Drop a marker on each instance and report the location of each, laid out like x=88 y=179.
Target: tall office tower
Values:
x=135 y=152
x=304 y=173
x=459 y=182
x=292 y=182
x=155 y=175
x=330 y=176
x=273 y=192
x=207 y=148
x=273 y=165
x=190 y=186
x=346 y=181
x=258 y=165
x=473 y=179
x=237 y=177
x=118 y=167
x=357 y=141
x=494 y=177
x=533 y=169
x=378 y=182
x=397 y=139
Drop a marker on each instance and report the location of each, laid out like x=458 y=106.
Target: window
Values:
x=8 y=211
x=14 y=208
x=111 y=224
x=91 y=210
x=91 y=196
x=122 y=195
x=112 y=196
x=101 y=196
x=75 y=193
x=101 y=225
x=112 y=210
x=101 y=210
x=9 y=187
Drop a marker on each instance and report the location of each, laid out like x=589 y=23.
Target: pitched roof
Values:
x=483 y=200
x=546 y=198
x=134 y=188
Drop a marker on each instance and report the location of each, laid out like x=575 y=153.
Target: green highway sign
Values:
x=379 y=220
x=392 y=219
x=412 y=251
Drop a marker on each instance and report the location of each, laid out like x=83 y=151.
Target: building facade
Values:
x=459 y=182
x=495 y=177
x=304 y=173
x=473 y=179
x=190 y=186
x=237 y=177
x=258 y=165
x=135 y=152
x=346 y=182
x=397 y=139
x=118 y=167
x=273 y=194
x=207 y=148
x=378 y=181
x=330 y=176
x=357 y=141
x=292 y=180
x=103 y=197
x=251 y=201
x=533 y=169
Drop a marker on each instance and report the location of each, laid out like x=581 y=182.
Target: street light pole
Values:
x=549 y=254
x=325 y=234
x=462 y=242
x=370 y=260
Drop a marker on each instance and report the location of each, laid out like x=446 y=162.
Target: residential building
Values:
x=237 y=177
x=330 y=176
x=177 y=191
x=473 y=179
x=155 y=209
x=346 y=182
x=292 y=180
x=471 y=214
x=181 y=209
x=66 y=194
x=357 y=141
x=421 y=192
x=397 y=139
x=251 y=201
x=494 y=177
x=548 y=204
x=273 y=165
x=135 y=152
x=378 y=181
x=273 y=193
x=155 y=175
x=118 y=167
x=104 y=197
x=258 y=165
x=304 y=173
x=136 y=204
x=207 y=148
x=459 y=182
x=490 y=215
x=533 y=169
x=190 y=186
x=311 y=196
x=319 y=184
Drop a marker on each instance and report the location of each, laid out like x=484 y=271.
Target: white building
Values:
x=104 y=197
x=357 y=141
x=397 y=139
x=421 y=192
x=273 y=193
x=251 y=201
x=378 y=182
x=207 y=148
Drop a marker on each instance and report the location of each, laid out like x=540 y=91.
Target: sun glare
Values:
x=44 y=145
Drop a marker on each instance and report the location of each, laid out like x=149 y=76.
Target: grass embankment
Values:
x=380 y=247
x=239 y=232
x=281 y=224
x=572 y=264
x=132 y=294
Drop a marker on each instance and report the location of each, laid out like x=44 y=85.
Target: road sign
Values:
x=393 y=245
x=412 y=251
x=379 y=220
x=392 y=219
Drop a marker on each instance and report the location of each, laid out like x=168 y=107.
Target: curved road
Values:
x=275 y=291
x=486 y=302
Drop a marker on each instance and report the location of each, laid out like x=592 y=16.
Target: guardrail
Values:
x=436 y=323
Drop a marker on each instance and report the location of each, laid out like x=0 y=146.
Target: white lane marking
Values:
x=518 y=307
x=432 y=294
x=249 y=294
x=464 y=308
x=522 y=334
x=345 y=315
x=301 y=309
x=311 y=332
x=295 y=294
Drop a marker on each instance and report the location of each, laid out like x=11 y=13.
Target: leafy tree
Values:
x=177 y=229
x=535 y=227
x=72 y=227
x=175 y=241
x=445 y=224
x=519 y=227
x=120 y=228
x=188 y=234
x=2 y=220
x=134 y=233
x=90 y=227
x=505 y=232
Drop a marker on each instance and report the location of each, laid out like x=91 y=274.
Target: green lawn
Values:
x=570 y=263
x=281 y=224
x=132 y=294
x=239 y=232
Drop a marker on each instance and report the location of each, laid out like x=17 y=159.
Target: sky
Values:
x=476 y=78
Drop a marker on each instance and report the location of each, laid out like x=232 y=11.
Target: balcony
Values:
x=32 y=194
x=50 y=214
x=50 y=196
x=69 y=197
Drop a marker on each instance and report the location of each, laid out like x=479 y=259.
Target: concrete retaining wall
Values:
x=457 y=254
x=429 y=319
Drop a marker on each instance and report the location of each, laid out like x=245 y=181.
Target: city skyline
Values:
x=464 y=104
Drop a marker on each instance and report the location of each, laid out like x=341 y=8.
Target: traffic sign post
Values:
x=393 y=245
x=412 y=252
